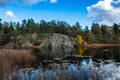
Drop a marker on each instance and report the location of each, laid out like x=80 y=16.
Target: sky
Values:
x=84 y=11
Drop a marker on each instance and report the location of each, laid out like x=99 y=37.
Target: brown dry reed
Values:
x=11 y=59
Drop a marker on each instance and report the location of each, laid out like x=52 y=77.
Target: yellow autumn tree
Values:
x=81 y=42
x=80 y=39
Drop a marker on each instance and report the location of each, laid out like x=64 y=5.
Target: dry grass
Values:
x=11 y=59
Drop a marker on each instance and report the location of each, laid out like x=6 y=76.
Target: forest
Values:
x=95 y=34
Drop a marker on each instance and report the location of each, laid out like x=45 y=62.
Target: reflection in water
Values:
x=104 y=53
x=95 y=53
x=47 y=54
x=81 y=50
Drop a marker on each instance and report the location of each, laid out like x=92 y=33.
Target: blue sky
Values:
x=84 y=11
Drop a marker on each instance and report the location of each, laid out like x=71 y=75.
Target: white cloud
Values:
x=9 y=15
x=53 y=1
x=105 y=12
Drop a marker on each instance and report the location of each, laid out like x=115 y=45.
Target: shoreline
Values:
x=94 y=45
x=100 y=45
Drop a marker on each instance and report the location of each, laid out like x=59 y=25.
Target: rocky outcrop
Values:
x=58 y=40
x=43 y=40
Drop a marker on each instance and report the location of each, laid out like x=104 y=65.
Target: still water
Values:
x=103 y=53
x=95 y=53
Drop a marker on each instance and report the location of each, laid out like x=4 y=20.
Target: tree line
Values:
x=96 y=34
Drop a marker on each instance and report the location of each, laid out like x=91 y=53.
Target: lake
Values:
x=95 y=53
x=101 y=63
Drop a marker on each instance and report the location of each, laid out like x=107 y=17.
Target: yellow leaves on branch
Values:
x=80 y=39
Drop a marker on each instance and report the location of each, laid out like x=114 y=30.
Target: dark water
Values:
x=46 y=53
x=106 y=53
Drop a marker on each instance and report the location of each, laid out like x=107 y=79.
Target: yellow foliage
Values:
x=26 y=41
x=79 y=39
x=19 y=37
x=80 y=51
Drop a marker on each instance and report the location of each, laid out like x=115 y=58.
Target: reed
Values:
x=11 y=59
x=57 y=74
